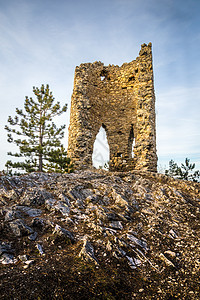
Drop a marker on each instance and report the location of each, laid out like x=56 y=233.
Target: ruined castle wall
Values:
x=122 y=100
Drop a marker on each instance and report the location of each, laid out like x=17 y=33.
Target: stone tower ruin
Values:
x=122 y=101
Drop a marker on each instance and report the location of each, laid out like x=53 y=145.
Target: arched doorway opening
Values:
x=101 y=155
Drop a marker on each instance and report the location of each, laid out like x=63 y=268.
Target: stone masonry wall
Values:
x=122 y=101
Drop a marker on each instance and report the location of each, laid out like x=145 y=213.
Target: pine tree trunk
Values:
x=40 y=154
x=40 y=163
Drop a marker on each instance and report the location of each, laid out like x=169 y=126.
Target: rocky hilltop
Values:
x=99 y=235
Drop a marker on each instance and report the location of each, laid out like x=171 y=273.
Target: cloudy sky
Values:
x=43 y=42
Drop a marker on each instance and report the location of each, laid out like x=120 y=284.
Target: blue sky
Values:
x=43 y=42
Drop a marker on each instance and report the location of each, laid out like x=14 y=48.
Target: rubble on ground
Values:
x=139 y=224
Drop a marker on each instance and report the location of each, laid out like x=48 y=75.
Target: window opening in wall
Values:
x=131 y=143
x=104 y=75
x=101 y=155
x=119 y=154
x=131 y=78
x=120 y=132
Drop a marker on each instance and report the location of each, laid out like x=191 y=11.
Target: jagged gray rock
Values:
x=34 y=196
x=5 y=248
x=19 y=228
x=87 y=251
x=145 y=221
x=39 y=247
x=61 y=234
x=7 y=259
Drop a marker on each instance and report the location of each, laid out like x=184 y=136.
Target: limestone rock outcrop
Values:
x=137 y=235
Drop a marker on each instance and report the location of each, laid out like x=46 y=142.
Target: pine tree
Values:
x=185 y=171
x=59 y=162
x=36 y=135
